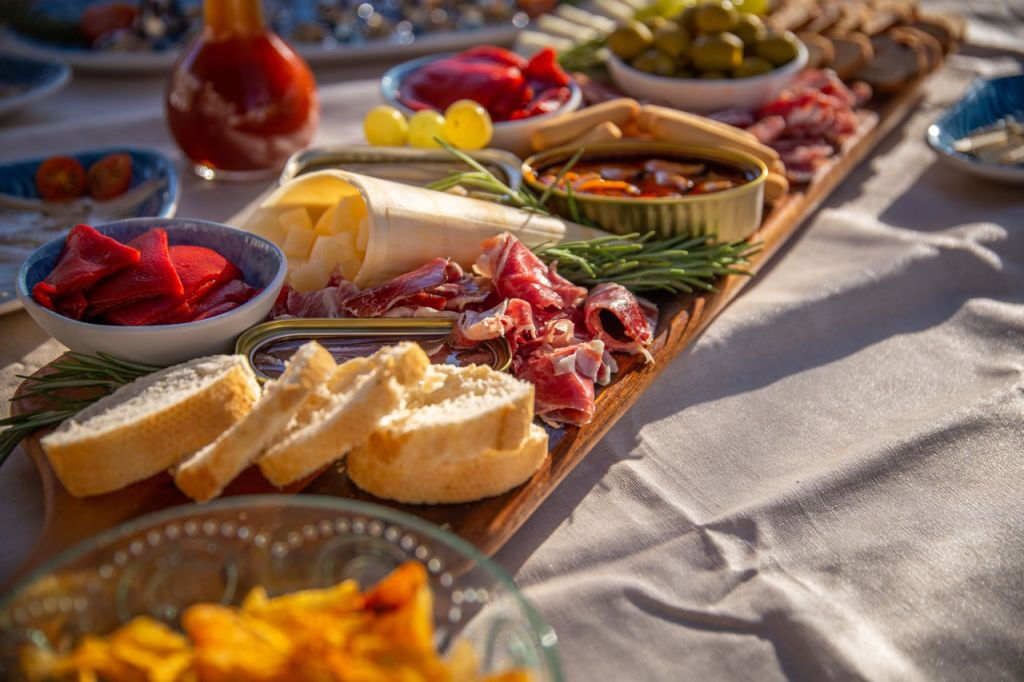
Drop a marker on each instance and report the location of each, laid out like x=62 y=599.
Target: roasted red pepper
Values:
x=502 y=81
x=152 y=276
x=88 y=256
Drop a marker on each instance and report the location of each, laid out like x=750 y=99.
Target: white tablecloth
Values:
x=826 y=486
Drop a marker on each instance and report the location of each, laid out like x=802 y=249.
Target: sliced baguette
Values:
x=447 y=477
x=204 y=475
x=150 y=424
x=359 y=394
x=437 y=448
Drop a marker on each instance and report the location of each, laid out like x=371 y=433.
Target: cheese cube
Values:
x=326 y=221
x=296 y=217
x=298 y=242
x=310 y=277
x=349 y=210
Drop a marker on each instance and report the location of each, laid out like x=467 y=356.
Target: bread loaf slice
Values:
x=150 y=424
x=448 y=477
x=204 y=475
x=358 y=395
x=441 y=444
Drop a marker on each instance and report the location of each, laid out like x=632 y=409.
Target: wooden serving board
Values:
x=489 y=523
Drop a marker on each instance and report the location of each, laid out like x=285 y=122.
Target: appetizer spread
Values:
x=711 y=40
x=324 y=635
x=412 y=432
x=506 y=85
x=146 y=281
x=465 y=124
x=643 y=178
x=1001 y=143
x=62 y=178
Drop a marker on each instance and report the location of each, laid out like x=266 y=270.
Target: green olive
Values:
x=716 y=16
x=749 y=28
x=656 y=22
x=752 y=66
x=720 y=52
x=778 y=49
x=713 y=75
x=673 y=41
x=688 y=19
x=655 y=62
x=629 y=40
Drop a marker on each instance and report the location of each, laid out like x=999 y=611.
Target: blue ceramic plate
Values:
x=26 y=226
x=985 y=102
x=24 y=80
x=284 y=16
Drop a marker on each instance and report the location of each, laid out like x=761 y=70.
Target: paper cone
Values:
x=410 y=225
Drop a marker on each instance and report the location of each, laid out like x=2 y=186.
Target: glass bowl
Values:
x=159 y=564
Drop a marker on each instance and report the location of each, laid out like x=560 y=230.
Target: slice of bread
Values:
x=150 y=424
x=204 y=475
x=448 y=477
x=358 y=395
x=441 y=446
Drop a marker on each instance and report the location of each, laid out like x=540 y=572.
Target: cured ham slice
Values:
x=621 y=320
x=377 y=300
x=326 y=302
x=564 y=379
x=512 y=318
x=516 y=272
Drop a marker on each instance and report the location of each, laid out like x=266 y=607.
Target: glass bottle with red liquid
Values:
x=240 y=101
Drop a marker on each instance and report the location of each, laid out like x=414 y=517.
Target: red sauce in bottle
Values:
x=240 y=100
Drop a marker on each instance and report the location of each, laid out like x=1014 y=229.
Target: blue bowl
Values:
x=34 y=79
x=263 y=266
x=984 y=103
x=18 y=178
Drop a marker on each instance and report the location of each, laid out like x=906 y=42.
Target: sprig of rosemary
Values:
x=86 y=377
x=589 y=57
x=644 y=264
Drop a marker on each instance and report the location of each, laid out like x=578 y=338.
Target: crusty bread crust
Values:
x=92 y=461
x=204 y=475
x=436 y=478
x=363 y=392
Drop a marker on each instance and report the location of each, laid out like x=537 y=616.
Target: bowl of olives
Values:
x=710 y=57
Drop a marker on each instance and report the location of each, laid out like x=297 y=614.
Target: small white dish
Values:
x=513 y=136
x=263 y=265
x=706 y=96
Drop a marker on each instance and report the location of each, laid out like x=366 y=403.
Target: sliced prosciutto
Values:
x=563 y=380
x=377 y=300
x=620 y=319
x=512 y=318
x=516 y=272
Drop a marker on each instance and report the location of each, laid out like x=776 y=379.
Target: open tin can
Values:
x=268 y=346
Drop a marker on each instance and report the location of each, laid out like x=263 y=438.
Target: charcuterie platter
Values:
x=490 y=522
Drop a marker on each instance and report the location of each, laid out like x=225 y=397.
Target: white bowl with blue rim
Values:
x=513 y=136
x=24 y=80
x=26 y=221
x=263 y=266
x=985 y=103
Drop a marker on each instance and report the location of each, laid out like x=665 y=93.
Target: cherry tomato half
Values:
x=60 y=178
x=110 y=176
x=98 y=20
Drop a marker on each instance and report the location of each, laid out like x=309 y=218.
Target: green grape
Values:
x=467 y=125
x=386 y=126
x=424 y=126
